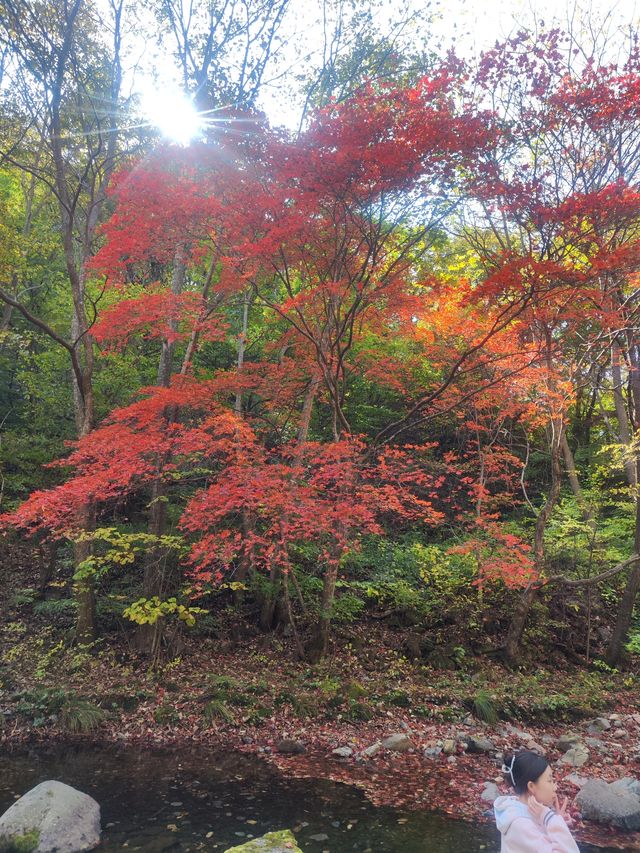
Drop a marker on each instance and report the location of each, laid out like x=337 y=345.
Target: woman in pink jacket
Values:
x=532 y=821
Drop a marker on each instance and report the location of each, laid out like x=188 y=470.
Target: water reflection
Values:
x=176 y=800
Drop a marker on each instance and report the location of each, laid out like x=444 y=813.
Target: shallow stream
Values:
x=177 y=800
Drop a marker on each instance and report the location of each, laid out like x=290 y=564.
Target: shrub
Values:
x=216 y=710
x=166 y=715
x=61 y=611
x=79 y=715
x=484 y=707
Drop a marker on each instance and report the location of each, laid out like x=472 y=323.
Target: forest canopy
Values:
x=386 y=362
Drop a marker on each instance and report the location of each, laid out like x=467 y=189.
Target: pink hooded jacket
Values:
x=522 y=833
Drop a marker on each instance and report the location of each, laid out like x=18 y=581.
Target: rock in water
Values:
x=52 y=818
x=273 y=842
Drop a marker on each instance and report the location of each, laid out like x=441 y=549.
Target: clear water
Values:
x=188 y=800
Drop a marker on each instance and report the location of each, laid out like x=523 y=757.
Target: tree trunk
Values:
x=523 y=606
x=46 y=565
x=242 y=346
x=270 y=600
x=518 y=624
x=149 y=637
x=307 y=406
x=86 y=628
x=268 y=609
x=84 y=587
x=576 y=488
x=326 y=607
x=627 y=604
x=622 y=415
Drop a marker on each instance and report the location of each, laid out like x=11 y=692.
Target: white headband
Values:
x=509 y=769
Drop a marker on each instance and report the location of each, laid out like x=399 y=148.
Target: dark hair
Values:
x=523 y=767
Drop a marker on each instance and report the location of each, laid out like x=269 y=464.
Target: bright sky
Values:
x=468 y=26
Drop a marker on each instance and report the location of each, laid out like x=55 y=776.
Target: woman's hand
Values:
x=561 y=808
x=537 y=809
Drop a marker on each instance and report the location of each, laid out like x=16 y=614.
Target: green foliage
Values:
x=575 y=547
x=257 y=715
x=124 y=700
x=633 y=644
x=221 y=682
x=484 y=707
x=114 y=548
x=79 y=715
x=147 y=611
x=216 y=710
x=166 y=715
x=353 y=690
x=74 y=713
x=397 y=698
x=26 y=843
x=357 y=711
x=60 y=611
x=347 y=608
x=38 y=704
x=22 y=597
x=329 y=686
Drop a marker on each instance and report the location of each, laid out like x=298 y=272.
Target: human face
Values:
x=544 y=788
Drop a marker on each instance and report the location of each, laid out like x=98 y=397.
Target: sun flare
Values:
x=174 y=114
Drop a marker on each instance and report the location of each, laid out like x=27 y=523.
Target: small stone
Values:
x=291 y=747
x=490 y=792
x=576 y=780
x=319 y=836
x=372 y=750
x=397 y=743
x=577 y=756
x=449 y=746
x=479 y=744
x=599 y=725
x=432 y=752
x=342 y=752
x=566 y=741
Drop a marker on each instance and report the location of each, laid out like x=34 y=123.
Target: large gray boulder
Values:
x=273 y=842
x=52 y=818
x=613 y=803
